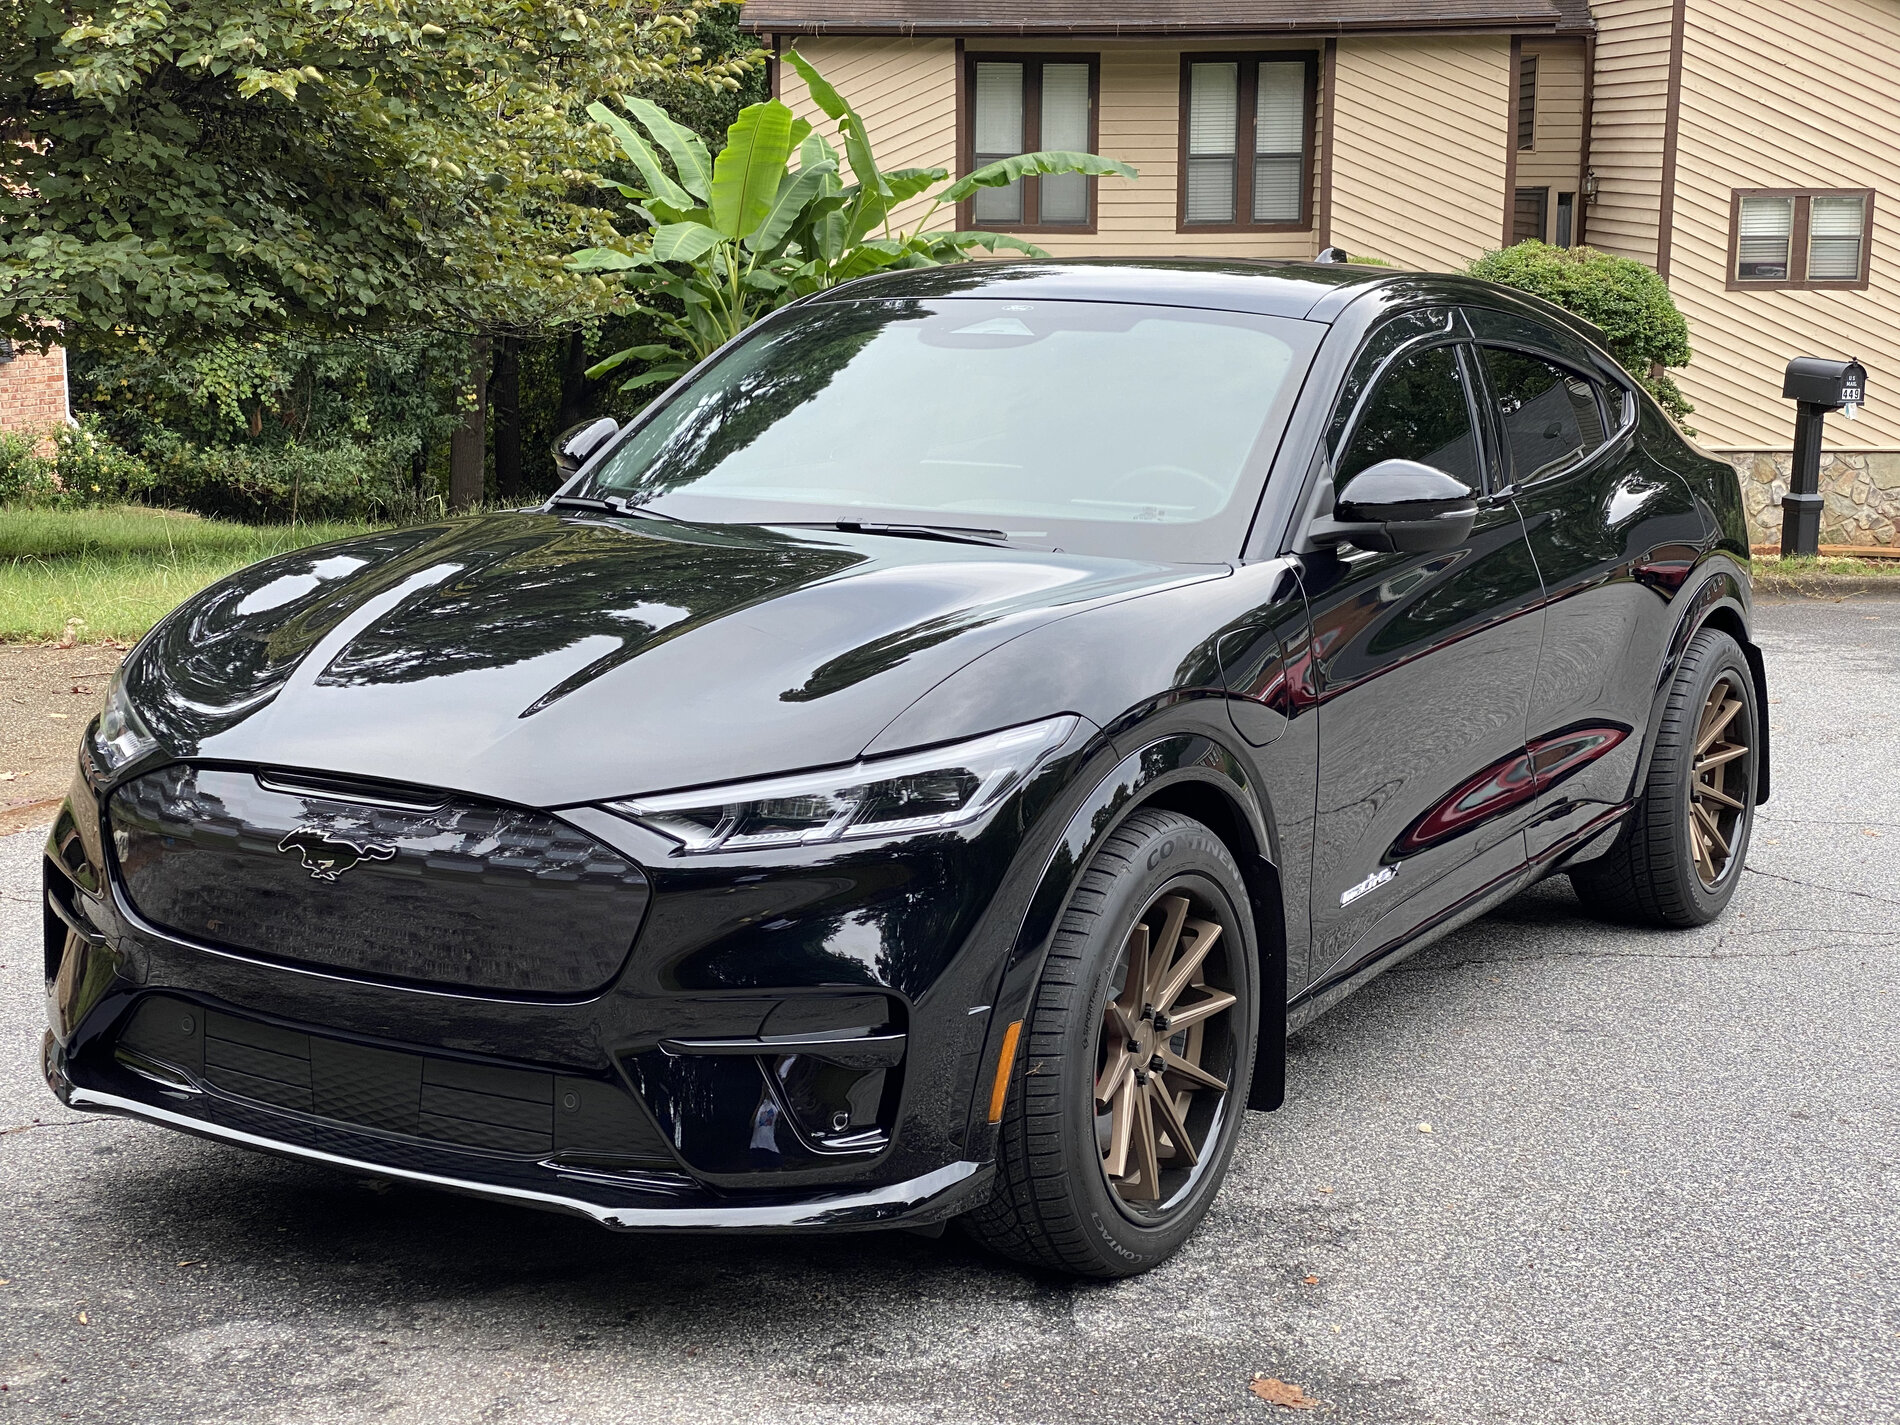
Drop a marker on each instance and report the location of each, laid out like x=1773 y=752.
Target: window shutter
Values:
x=1835 y=228
x=1279 y=143
x=1065 y=127
x=1213 y=126
x=1765 y=229
x=999 y=134
x=1527 y=101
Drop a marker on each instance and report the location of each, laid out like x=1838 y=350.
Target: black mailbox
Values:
x=1821 y=381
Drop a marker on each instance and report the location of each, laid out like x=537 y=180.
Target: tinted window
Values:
x=1551 y=416
x=1099 y=427
x=1418 y=411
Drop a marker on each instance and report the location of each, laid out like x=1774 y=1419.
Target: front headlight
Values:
x=886 y=796
x=120 y=734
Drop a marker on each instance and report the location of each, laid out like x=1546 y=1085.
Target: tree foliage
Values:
x=1625 y=300
x=188 y=167
x=772 y=218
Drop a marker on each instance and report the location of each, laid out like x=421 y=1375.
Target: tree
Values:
x=727 y=240
x=183 y=166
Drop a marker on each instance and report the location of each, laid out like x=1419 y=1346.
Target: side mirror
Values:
x=1400 y=505
x=573 y=445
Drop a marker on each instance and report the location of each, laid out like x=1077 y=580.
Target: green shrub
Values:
x=26 y=477
x=273 y=483
x=93 y=470
x=1624 y=299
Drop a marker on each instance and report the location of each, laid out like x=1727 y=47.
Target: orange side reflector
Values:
x=1005 y=1061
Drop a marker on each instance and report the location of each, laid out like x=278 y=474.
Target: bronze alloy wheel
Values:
x=1718 y=784
x=1165 y=1043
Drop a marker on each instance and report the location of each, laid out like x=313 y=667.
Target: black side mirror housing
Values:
x=573 y=445
x=1400 y=505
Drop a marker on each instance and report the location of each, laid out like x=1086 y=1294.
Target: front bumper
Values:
x=737 y=980
x=627 y=1201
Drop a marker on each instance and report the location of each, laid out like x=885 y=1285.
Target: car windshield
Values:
x=1095 y=427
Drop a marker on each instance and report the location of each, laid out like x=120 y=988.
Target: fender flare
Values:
x=1178 y=771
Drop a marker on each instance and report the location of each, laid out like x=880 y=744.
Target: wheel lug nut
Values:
x=1156 y=1064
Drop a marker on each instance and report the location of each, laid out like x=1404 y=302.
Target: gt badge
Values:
x=1371 y=883
x=326 y=857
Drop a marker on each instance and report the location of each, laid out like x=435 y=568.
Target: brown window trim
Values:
x=1798 y=241
x=1244 y=141
x=1032 y=134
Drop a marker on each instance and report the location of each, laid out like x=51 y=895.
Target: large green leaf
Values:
x=748 y=171
x=857 y=143
x=813 y=150
x=626 y=354
x=684 y=146
x=1006 y=171
x=684 y=242
x=795 y=193
x=659 y=183
x=948 y=246
x=606 y=259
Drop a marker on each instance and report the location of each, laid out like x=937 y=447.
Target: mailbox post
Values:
x=1817 y=385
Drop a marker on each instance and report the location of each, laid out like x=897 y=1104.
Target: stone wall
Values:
x=33 y=390
x=1860 y=494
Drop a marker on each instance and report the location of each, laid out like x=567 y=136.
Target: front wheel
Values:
x=1680 y=855
x=1127 y=1098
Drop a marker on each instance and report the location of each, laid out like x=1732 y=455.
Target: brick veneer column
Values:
x=33 y=390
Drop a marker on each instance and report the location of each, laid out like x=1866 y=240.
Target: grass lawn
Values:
x=119 y=570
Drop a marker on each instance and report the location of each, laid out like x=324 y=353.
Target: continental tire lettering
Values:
x=1196 y=843
x=1108 y=1239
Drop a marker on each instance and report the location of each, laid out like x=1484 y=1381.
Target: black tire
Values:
x=1054 y=1205
x=1651 y=875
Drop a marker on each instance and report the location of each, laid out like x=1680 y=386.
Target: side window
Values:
x=1418 y=411
x=1551 y=417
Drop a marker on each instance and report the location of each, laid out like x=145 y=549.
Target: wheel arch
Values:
x=1720 y=601
x=1194 y=774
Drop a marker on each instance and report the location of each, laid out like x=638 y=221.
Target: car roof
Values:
x=1274 y=289
x=1310 y=291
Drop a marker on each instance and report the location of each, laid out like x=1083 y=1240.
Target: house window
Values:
x=1799 y=237
x=1527 y=101
x=1246 y=140
x=1566 y=219
x=1022 y=104
x=1529 y=213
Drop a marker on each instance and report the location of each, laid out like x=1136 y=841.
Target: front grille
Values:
x=445 y=890
x=419 y=1095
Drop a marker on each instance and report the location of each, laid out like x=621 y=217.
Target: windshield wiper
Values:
x=608 y=505
x=948 y=533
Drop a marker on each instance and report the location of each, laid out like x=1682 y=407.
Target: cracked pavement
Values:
x=1661 y=1182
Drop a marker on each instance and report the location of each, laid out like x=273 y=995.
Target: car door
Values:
x=1613 y=537
x=1423 y=666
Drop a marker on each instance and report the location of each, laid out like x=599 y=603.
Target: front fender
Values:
x=1178 y=768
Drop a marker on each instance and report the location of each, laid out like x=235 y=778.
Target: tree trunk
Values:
x=573 y=382
x=505 y=402
x=468 y=443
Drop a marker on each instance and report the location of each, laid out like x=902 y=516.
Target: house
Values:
x=1737 y=146
x=32 y=390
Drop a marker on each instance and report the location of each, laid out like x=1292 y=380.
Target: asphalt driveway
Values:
x=1661 y=1183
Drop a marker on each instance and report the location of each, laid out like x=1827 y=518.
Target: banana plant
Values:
x=773 y=218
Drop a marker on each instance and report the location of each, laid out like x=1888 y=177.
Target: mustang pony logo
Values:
x=326 y=857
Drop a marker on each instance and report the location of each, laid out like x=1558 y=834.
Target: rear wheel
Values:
x=1680 y=855
x=1127 y=1099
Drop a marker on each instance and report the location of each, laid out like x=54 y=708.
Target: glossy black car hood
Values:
x=545 y=660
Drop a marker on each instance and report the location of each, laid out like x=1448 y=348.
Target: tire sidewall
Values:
x=1166 y=854
x=1719 y=655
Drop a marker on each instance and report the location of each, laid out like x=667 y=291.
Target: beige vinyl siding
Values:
x=1141 y=125
x=1554 y=161
x=1816 y=108
x=904 y=90
x=1626 y=128
x=1419 y=148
